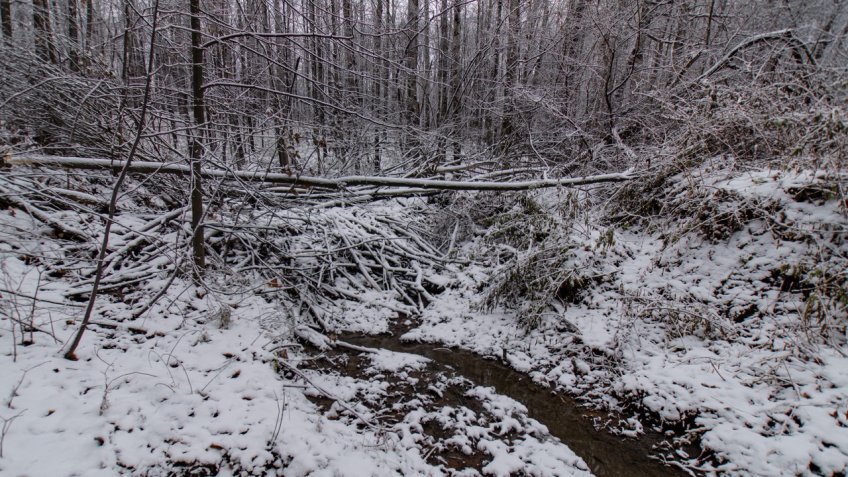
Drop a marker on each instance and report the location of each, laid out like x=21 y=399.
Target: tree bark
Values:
x=73 y=36
x=379 y=72
x=6 y=20
x=489 y=124
x=411 y=63
x=196 y=153
x=44 y=46
x=511 y=74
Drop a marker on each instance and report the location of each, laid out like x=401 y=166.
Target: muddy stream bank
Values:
x=606 y=454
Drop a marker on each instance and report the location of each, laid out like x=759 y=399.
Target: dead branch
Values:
x=326 y=393
x=786 y=35
x=62 y=230
x=339 y=183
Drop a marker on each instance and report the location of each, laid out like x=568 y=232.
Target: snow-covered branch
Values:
x=318 y=182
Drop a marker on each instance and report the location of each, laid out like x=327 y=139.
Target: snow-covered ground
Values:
x=462 y=428
x=723 y=330
x=207 y=383
x=185 y=393
x=704 y=332
x=192 y=397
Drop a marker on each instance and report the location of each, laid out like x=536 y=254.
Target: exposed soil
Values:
x=441 y=387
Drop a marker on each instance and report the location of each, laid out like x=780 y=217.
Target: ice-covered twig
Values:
x=7 y=423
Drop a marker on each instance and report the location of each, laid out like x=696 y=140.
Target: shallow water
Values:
x=605 y=454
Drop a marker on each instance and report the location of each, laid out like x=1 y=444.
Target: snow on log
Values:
x=317 y=182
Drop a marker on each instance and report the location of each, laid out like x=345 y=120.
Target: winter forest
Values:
x=423 y=237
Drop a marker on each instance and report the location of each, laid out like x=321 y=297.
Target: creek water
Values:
x=606 y=455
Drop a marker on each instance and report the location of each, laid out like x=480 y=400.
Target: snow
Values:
x=186 y=392
x=501 y=430
x=384 y=360
x=688 y=332
x=195 y=395
x=545 y=457
x=765 y=394
x=180 y=389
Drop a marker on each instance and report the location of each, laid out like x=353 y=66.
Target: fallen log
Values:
x=339 y=183
x=60 y=229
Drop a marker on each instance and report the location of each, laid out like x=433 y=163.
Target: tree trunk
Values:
x=411 y=108
x=73 y=36
x=511 y=73
x=456 y=59
x=455 y=107
x=44 y=46
x=378 y=81
x=337 y=184
x=6 y=20
x=444 y=93
x=411 y=63
x=199 y=111
x=89 y=23
x=316 y=87
x=489 y=126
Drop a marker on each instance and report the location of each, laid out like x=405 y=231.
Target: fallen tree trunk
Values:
x=339 y=183
x=62 y=230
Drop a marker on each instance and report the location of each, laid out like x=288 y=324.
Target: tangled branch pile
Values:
x=312 y=260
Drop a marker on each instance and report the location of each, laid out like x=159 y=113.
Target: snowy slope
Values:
x=727 y=326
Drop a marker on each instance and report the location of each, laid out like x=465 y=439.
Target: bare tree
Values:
x=6 y=20
x=197 y=144
x=45 y=46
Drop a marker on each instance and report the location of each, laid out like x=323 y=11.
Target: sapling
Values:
x=116 y=189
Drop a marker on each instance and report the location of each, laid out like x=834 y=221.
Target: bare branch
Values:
x=339 y=183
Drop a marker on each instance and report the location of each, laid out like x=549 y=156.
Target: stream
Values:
x=605 y=454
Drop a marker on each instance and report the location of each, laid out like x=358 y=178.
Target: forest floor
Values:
x=704 y=330
x=717 y=333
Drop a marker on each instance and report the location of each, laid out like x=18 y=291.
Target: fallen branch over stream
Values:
x=339 y=183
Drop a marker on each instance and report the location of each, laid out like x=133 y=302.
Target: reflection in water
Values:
x=606 y=455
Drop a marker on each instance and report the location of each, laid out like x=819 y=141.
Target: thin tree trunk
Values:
x=489 y=124
x=338 y=183
x=425 y=117
x=6 y=20
x=411 y=54
x=125 y=169
x=199 y=111
x=89 y=24
x=411 y=107
x=73 y=36
x=444 y=94
x=511 y=73
x=44 y=46
x=456 y=58
x=379 y=71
